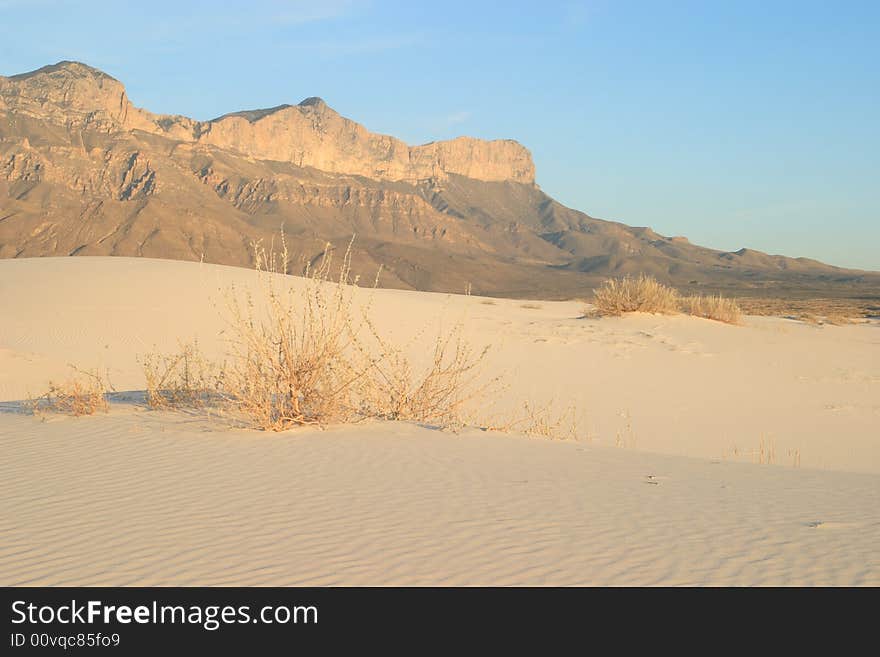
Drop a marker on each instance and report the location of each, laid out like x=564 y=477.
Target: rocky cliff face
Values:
x=310 y=134
x=70 y=94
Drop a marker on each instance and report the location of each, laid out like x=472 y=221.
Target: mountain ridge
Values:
x=310 y=133
x=83 y=171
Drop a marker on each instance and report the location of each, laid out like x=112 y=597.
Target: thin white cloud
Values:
x=457 y=117
x=298 y=13
x=14 y=4
x=576 y=14
x=363 y=46
x=775 y=210
x=440 y=127
x=244 y=17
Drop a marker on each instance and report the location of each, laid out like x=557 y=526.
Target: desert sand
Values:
x=663 y=485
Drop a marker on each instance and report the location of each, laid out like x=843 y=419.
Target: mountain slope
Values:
x=84 y=172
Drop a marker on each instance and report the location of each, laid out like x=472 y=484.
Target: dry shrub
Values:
x=292 y=359
x=437 y=393
x=712 y=307
x=183 y=379
x=539 y=421
x=82 y=394
x=641 y=294
x=304 y=355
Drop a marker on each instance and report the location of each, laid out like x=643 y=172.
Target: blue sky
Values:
x=734 y=123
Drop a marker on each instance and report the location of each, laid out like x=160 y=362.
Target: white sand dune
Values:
x=142 y=497
x=139 y=498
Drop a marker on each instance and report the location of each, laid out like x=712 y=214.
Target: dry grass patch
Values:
x=646 y=294
x=82 y=394
x=184 y=379
x=712 y=307
x=639 y=294
x=764 y=454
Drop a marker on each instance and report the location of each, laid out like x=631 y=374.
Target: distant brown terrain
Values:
x=84 y=172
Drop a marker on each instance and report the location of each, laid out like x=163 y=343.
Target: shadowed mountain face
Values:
x=84 y=172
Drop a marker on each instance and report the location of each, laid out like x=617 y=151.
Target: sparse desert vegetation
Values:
x=646 y=294
x=712 y=307
x=308 y=355
x=311 y=357
x=817 y=311
x=763 y=454
x=538 y=421
x=635 y=294
x=84 y=393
